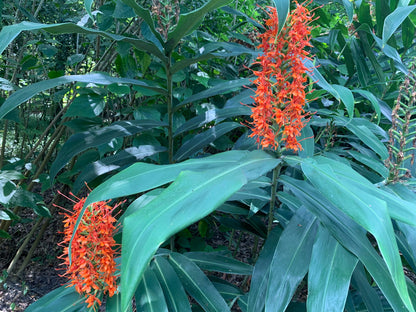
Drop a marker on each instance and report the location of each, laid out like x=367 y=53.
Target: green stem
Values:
x=276 y=174
x=169 y=83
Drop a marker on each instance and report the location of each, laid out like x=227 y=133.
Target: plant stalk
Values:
x=276 y=174
x=169 y=84
x=3 y=143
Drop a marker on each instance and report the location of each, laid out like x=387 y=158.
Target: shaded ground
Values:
x=40 y=275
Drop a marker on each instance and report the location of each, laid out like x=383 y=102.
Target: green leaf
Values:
x=141 y=177
x=362 y=131
x=349 y=8
x=84 y=140
x=282 y=7
x=4 y=215
x=369 y=52
x=24 y=198
x=406 y=244
x=317 y=78
x=207 y=52
x=9 y=33
x=214 y=261
x=222 y=88
x=371 y=97
x=211 y=115
x=88 y=5
x=388 y=51
x=242 y=303
x=329 y=274
x=226 y=289
x=349 y=234
x=113 y=304
x=290 y=260
x=28 y=92
x=4 y=234
x=394 y=20
x=201 y=140
x=260 y=277
x=347 y=98
x=368 y=293
x=365 y=209
x=197 y=284
x=149 y=294
x=362 y=68
x=189 y=21
x=114 y=162
x=175 y=295
x=399 y=209
x=174 y=209
x=62 y=299
x=251 y=192
x=86 y=105
x=370 y=162
x=382 y=10
x=306 y=139
x=146 y=16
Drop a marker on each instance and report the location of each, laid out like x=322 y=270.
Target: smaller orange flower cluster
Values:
x=280 y=95
x=93 y=250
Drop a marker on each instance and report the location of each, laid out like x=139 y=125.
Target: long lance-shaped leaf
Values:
x=236 y=12
x=341 y=93
x=328 y=288
x=173 y=290
x=145 y=15
x=224 y=49
x=400 y=209
x=407 y=232
x=388 y=50
x=282 y=7
x=203 y=139
x=363 y=132
x=141 y=177
x=84 y=140
x=30 y=91
x=113 y=304
x=290 y=260
x=368 y=294
x=365 y=209
x=189 y=21
x=373 y=100
x=394 y=20
x=260 y=278
x=347 y=98
x=61 y=299
x=88 y=5
x=222 y=88
x=214 y=261
x=8 y=34
x=197 y=284
x=114 y=162
x=350 y=235
x=211 y=115
x=149 y=295
x=192 y=196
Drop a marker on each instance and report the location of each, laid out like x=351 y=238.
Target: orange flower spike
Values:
x=93 y=267
x=280 y=96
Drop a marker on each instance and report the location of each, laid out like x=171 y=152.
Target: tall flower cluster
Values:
x=278 y=114
x=93 y=250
